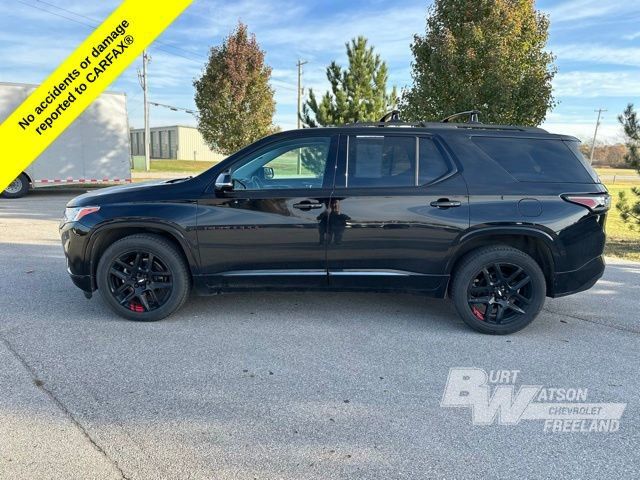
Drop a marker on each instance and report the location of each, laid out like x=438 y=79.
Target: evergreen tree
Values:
x=358 y=93
x=630 y=210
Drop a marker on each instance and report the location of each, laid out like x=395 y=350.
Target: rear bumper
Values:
x=567 y=283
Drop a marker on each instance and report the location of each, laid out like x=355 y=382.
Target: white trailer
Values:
x=93 y=149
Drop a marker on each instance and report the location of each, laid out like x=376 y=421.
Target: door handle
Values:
x=307 y=205
x=445 y=203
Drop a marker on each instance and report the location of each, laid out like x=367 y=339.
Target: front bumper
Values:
x=83 y=282
x=567 y=283
x=74 y=238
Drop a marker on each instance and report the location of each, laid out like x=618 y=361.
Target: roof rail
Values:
x=389 y=119
x=392 y=119
x=472 y=116
x=392 y=116
x=486 y=126
x=397 y=123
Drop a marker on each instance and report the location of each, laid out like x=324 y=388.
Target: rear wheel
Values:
x=498 y=290
x=143 y=278
x=18 y=188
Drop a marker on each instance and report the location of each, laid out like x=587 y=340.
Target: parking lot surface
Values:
x=289 y=385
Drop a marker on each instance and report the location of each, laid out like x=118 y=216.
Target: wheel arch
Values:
x=26 y=174
x=538 y=244
x=106 y=235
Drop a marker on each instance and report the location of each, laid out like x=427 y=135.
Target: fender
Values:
x=549 y=239
x=172 y=229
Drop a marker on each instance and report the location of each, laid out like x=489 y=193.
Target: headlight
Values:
x=73 y=214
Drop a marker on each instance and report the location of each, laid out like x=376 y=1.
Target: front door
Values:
x=398 y=206
x=267 y=230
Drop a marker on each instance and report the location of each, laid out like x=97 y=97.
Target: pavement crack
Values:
x=590 y=320
x=40 y=385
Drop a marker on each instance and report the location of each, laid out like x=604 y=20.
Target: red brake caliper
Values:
x=136 y=307
x=477 y=313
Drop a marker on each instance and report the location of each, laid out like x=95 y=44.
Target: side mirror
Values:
x=224 y=182
x=268 y=173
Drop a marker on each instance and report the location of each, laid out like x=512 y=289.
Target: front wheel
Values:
x=18 y=188
x=143 y=278
x=498 y=290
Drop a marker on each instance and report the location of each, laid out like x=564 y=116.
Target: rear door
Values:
x=398 y=206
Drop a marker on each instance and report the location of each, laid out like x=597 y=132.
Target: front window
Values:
x=297 y=163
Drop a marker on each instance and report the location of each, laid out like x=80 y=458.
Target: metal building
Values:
x=178 y=142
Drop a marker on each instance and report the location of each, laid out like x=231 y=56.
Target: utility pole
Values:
x=300 y=90
x=142 y=78
x=595 y=133
x=299 y=112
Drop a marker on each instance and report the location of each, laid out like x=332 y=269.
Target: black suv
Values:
x=495 y=217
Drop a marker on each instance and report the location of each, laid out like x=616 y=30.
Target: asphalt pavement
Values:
x=290 y=385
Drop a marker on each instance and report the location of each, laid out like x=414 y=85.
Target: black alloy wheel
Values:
x=143 y=277
x=499 y=293
x=140 y=281
x=498 y=290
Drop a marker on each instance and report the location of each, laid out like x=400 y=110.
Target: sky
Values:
x=597 y=44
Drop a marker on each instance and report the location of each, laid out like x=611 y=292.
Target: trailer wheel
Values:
x=18 y=188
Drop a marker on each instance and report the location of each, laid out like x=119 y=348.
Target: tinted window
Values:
x=574 y=146
x=533 y=160
x=432 y=165
x=298 y=163
x=381 y=161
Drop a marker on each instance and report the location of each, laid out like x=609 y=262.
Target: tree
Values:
x=487 y=55
x=234 y=99
x=358 y=94
x=605 y=155
x=630 y=210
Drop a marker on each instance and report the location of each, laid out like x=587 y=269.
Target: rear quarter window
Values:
x=536 y=160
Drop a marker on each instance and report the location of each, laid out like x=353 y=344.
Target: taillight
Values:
x=595 y=203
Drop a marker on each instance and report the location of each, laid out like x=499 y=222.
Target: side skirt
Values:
x=318 y=280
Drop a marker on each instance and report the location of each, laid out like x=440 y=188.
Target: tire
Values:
x=18 y=188
x=498 y=279
x=134 y=291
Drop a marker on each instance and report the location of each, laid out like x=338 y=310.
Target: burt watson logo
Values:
x=492 y=395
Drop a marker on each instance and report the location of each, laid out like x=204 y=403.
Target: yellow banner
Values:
x=78 y=81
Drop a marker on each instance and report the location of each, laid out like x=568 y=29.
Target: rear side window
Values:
x=535 y=160
x=432 y=165
x=381 y=161
x=574 y=146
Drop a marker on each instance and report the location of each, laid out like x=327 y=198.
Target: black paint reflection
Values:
x=332 y=224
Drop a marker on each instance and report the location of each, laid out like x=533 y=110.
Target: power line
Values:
x=53 y=13
x=97 y=21
x=281 y=84
x=175 y=109
x=93 y=27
